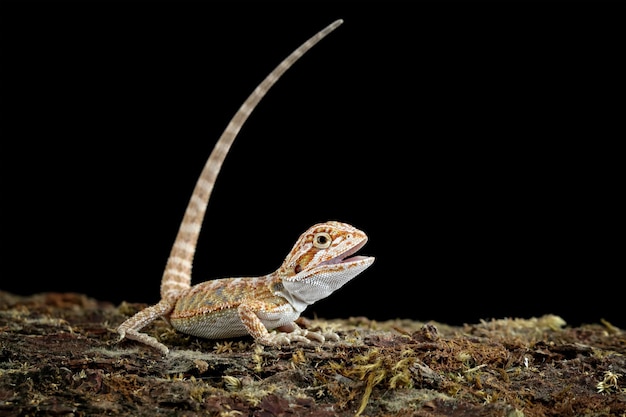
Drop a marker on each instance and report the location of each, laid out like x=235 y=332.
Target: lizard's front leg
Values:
x=250 y=312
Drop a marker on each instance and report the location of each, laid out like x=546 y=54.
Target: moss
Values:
x=59 y=354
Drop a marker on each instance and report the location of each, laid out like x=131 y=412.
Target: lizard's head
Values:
x=321 y=261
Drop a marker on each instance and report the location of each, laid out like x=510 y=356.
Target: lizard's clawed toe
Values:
x=331 y=336
x=274 y=339
x=318 y=337
x=297 y=335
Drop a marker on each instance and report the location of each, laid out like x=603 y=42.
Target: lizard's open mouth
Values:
x=347 y=257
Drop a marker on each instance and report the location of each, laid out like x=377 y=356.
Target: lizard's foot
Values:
x=303 y=335
x=321 y=337
x=293 y=333
x=145 y=339
x=329 y=335
x=274 y=339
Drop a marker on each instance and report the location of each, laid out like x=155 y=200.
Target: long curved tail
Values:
x=177 y=274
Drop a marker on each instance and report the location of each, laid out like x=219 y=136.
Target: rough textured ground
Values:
x=59 y=355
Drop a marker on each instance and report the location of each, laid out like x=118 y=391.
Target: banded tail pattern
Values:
x=177 y=274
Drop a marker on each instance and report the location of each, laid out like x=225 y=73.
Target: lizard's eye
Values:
x=321 y=240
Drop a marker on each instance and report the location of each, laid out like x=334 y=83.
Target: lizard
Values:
x=321 y=261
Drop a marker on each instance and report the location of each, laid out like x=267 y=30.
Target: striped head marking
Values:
x=322 y=261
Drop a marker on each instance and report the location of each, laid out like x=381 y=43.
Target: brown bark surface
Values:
x=60 y=355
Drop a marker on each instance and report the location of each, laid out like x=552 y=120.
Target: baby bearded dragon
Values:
x=320 y=262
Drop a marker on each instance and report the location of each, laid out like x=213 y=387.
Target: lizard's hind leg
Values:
x=130 y=328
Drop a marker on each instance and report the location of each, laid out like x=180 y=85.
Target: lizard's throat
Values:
x=301 y=291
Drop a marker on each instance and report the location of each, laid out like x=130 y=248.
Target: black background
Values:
x=478 y=145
